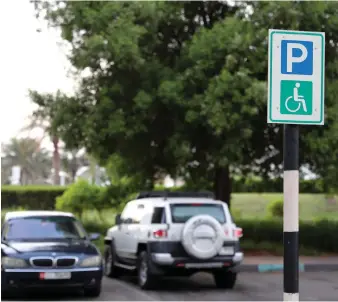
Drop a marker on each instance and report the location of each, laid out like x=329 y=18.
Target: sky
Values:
x=29 y=60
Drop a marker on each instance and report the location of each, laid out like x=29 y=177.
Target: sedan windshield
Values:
x=44 y=227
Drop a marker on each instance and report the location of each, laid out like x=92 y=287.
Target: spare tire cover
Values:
x=202 y=237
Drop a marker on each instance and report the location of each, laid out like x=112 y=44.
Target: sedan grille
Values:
x=42 y=262
x=65 y=262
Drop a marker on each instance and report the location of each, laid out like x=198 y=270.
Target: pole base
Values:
x=291 y=297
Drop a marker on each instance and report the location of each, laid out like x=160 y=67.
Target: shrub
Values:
x=30 y=197
x=275 y=208
x=80 y=196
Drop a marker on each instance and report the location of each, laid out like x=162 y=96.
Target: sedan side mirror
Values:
x=118 y=219
x=94 y=236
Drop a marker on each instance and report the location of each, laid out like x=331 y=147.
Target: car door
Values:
x=122 y=236
x=139 y=210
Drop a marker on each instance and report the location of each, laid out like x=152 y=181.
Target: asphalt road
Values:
x=250 y=287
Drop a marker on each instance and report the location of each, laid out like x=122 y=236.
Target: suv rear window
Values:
x=180 y=213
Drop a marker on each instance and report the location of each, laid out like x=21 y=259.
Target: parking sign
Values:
x=296 y=77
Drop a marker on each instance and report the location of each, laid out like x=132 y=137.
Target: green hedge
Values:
x=30 y=197
x=321 y=235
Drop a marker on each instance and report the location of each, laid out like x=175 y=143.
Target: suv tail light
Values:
x=160 y=234
x=238 y=232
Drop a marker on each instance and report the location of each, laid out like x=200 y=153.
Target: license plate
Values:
x=228 y=250
x=203 y=265
x=55 y=275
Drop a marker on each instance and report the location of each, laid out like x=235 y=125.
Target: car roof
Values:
x=170 y=200
x=23 y=214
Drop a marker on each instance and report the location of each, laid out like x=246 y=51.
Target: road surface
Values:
x=250 y=287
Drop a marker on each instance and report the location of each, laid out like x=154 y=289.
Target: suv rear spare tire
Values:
x=203 y=237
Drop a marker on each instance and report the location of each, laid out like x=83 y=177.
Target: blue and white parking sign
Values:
x=296 y=77
x=297 y=57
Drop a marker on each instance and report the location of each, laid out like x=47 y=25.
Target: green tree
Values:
x=318 y=144
x=181 y=87
x=42 y=118
x=125 y=86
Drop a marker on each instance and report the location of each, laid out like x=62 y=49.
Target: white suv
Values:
x=174 y=234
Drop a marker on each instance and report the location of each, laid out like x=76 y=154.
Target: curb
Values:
x=266 y=268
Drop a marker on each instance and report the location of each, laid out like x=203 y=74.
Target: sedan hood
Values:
x=74 y=246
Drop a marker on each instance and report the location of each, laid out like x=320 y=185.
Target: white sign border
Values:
x=270 y=61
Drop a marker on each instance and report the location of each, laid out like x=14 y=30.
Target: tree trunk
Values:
x=73 y=167
x=222 y=184
x=92 y=171
x=56 y=161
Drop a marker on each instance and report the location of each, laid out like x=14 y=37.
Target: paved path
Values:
x=250 y=287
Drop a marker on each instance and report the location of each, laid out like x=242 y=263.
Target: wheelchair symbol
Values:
x=296 y=98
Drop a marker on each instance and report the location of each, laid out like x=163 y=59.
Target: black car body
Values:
x=46 y=250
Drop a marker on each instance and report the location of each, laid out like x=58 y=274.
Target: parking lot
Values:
x=250 y=287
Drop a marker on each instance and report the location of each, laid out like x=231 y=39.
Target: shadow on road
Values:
x=176 y=284
x=47 y=296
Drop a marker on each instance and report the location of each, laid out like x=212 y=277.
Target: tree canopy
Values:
x=180 y=87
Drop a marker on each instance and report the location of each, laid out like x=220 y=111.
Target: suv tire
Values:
x=110 y=269
x=225 y=279
x=145 y=279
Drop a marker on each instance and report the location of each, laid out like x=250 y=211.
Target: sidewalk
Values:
x=275 y=264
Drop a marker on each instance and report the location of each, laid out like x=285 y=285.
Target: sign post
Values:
x=295 y=97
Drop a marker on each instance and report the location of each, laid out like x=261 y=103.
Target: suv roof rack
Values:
x=166 y=194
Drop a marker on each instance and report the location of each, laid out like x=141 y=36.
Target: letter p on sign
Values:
x=296 y=57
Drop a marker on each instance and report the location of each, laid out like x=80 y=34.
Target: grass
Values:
x=248 y=206
x=254 y=205
x=312 y=206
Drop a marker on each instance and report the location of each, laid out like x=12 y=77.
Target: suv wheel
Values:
x=110 y=269
x=144 y=277
x=225 y=279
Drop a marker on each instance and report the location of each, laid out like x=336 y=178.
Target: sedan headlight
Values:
x=91 y=261
x=9 y=262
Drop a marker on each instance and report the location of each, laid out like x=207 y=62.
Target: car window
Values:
x=133 y=213
x=158 y=215
x=127 y=213
x=138 y=213
x=180 y=213
x=44 y=227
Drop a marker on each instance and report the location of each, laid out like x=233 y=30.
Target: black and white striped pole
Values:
x=296 y=76
x=291 y=212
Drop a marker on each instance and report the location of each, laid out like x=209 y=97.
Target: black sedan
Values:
x=47 y=250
